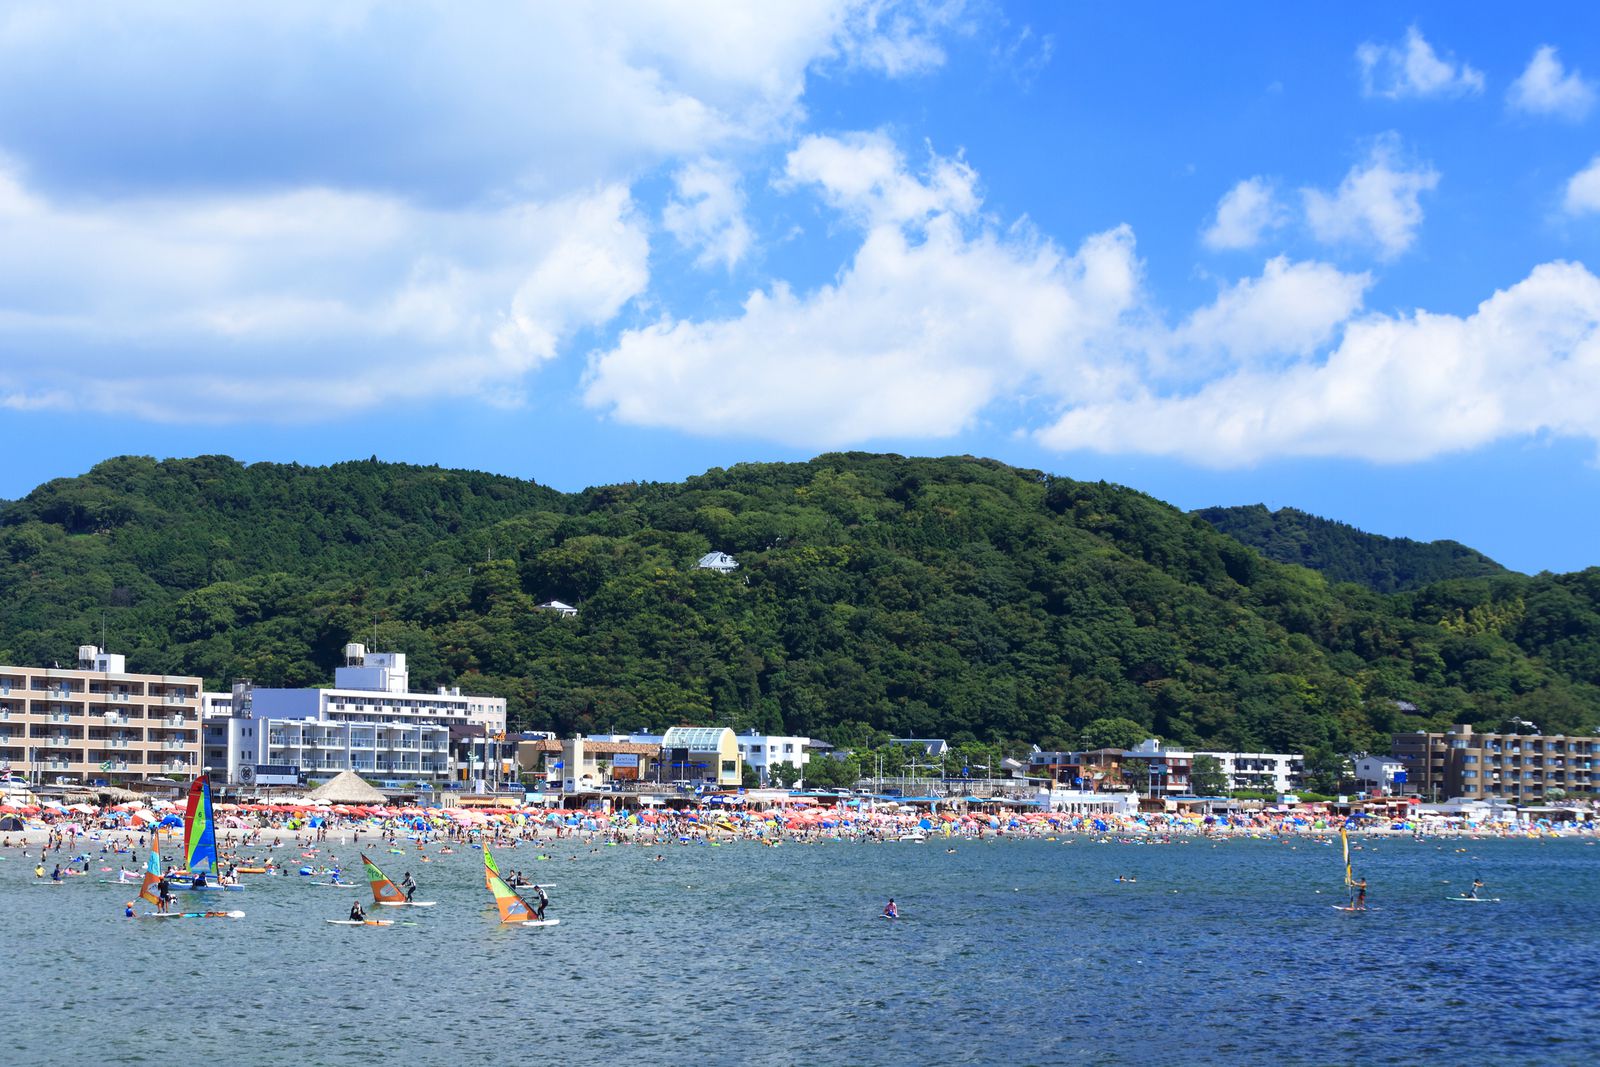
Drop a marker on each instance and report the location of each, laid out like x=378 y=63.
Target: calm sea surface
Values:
x=1009 y=952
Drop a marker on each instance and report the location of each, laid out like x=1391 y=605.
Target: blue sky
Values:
x=1339 y=258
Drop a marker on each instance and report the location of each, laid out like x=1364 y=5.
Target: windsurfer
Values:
x=1361 y=895
x=407 y=884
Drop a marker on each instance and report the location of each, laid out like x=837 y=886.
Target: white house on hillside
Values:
x=566 y=611
x=720 y=562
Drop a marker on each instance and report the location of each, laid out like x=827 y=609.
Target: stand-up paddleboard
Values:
x=336 y=885
x=1345 y=907
x=359 y=922
x=191 y=915
x=1474 y=900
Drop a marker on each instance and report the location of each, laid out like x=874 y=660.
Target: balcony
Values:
x=174 y=746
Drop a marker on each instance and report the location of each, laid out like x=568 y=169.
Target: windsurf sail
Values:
x=200 y=829
x=491 y=869
x=1349 y=872
x=383 y=890
x=513 y=909
x=152 y=874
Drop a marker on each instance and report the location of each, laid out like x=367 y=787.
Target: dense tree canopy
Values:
x=1345 y=554
x=876 y=596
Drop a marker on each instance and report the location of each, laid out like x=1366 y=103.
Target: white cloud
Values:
x=1414 y=69
x=707 y=213
x=1397 y=388
x=298 y=209
x=1377 y=204
x=1583 y=190
x=1546 y=88
x=864 y=176
x=1293 y=309
x=423 y=97
x=1244 y=216
x=300 y=304
x=937 y=316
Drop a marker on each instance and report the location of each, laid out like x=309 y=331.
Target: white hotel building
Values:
x=368 y=722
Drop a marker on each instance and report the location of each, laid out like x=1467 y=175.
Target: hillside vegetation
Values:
x=1345 y=554
x=949 y=597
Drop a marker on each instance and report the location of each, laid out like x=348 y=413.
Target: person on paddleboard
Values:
x=890 y=911
x=357 y=913
x=1477 y=884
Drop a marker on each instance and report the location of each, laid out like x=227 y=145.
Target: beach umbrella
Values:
x=171 y=820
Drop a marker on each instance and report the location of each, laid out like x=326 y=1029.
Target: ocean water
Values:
x=1010 y=952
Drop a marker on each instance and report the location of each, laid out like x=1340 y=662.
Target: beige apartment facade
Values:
x=98 y=722
x=1520 y=768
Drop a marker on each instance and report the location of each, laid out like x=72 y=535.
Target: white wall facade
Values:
x=765 y=751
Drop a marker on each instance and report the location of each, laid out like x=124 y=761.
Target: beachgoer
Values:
x=55 y=875
x=890 y=910
x=199 y=881
x=163 y=894
x=357 y=913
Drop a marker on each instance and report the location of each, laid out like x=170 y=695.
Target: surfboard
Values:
x=359 y=922
x=406 y=903
x=541 y=922
x=192 y=915
x=1342 y=907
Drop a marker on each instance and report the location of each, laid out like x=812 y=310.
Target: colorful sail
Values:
x=1349 y=872
x=383 y=890
x=152 y=873
x=200 y=829
x=490 y=869
x=513 y=909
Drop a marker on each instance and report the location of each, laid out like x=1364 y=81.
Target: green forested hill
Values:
x=956 y=597
x=1346 y=554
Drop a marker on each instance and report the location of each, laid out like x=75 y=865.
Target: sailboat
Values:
x=386 y=893
x=513 y=909
x=200 y=836
x=149 y=892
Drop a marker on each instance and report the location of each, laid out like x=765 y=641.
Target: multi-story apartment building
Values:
x=1272 y=772
x=1517 y=767
x=368 y=722
x=98 y=722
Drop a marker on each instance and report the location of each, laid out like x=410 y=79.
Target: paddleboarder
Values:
x=890 y=911
x=357 y=913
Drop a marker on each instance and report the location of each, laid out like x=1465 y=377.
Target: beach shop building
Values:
x=98 y=722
